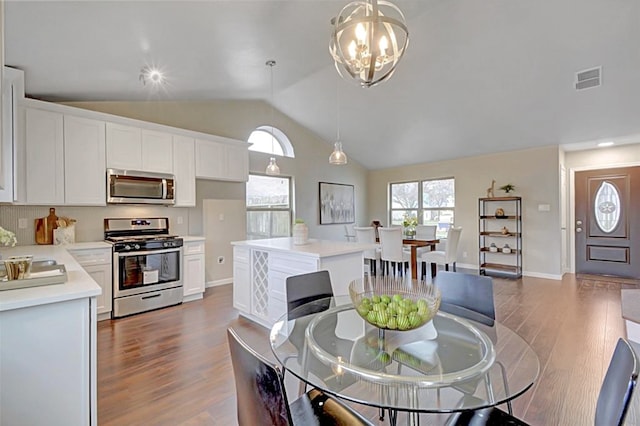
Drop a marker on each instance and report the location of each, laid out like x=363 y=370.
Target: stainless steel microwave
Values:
x=135 y=187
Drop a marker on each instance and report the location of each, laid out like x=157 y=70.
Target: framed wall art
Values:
x=337 y=203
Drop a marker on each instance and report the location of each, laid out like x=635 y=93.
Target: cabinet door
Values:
x=210 y=159
x=237 y=163
x=124 y=147
x=157 y=152
x=44 y=157
x=84 y=161
x=184 y=171
x=102 y=275
x=241 y=279
x=193 y=277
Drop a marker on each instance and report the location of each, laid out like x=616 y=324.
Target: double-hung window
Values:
x=269 y=211
x=430 y=202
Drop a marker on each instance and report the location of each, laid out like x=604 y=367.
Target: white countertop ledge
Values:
x=315 y=248
x=79 y=284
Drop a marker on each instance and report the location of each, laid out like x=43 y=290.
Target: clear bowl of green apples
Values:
x=394 y=303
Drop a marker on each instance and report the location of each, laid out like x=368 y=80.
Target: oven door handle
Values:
x=165 y=189
x=145 y=252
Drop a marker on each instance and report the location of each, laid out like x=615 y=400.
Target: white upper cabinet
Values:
x=84 y=161
x=132 y=148
x=44 y=153
x=184 y=171
x=221 y=161
x=157 y=152
x=124 y=147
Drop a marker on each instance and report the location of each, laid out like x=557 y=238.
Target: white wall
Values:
x=535 y=174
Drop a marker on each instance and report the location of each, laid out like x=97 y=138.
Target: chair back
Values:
x=305 y=288
x=367 y=235
x=391 y=243
x=426 y=232
x=617 y=387
x=453 y=238
x=260 y=394
x=472 y=292
x=349 y=234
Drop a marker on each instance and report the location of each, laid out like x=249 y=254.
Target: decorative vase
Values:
x=300 y=234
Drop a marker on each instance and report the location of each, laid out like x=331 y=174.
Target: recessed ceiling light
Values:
x=605 y=144
x=152 y=75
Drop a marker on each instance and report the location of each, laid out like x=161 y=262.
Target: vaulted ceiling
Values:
x=478 y=76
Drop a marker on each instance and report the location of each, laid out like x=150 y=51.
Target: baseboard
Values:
x=216 y=283
x=541 y=275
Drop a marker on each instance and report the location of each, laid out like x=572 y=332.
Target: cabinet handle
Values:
x=151 y=297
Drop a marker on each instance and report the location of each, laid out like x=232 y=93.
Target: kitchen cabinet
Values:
x=84 y=161
x=157 y=151
x=133 y=148
x=241 y=279
x=193 y=280
x=97 y=263
x=44 y=151
x=261 y=268
x=500 y=236
x=222 y=161
x=124 y=147
x=12 y=90
x=184 y=171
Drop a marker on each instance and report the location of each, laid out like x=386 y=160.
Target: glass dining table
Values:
x=458 y=361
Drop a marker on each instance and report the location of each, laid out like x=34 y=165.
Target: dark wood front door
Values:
x=607 y=226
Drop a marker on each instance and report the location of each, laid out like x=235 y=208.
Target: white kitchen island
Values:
x=48 y=347
x=261 y=267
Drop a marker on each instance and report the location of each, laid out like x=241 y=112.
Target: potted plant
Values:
x=508 y=188
x=300 y=232
x=409 y=224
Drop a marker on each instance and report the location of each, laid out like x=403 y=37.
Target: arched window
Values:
x=278 y=144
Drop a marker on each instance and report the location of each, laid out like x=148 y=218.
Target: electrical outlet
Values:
x=464 y=254
x=22 y=223
x=220 y=260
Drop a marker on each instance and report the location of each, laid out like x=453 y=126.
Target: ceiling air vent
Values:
x=589 y=78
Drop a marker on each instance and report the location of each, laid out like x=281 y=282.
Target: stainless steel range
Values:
x=147 y=265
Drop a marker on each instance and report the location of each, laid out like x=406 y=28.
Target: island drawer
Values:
x=293 y=265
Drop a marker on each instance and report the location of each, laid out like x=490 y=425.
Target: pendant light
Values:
x=338 y=157
x=272 y=168
x=368 y=39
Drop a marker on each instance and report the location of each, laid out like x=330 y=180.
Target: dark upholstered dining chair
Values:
x=262 y=399
x=305 y=288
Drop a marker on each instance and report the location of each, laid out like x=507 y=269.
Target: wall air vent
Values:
x=589 y=78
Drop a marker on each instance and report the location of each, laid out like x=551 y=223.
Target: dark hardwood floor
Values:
x=172 y=366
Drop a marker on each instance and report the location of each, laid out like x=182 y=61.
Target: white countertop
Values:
x=188 y=238
x=315 y=248
x=79 y=284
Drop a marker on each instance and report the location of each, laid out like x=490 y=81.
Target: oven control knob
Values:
x=166 y=244
x=127 y=247
x=136 y=246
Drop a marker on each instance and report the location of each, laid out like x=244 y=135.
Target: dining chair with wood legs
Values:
x=367 y=235
x=392 y=251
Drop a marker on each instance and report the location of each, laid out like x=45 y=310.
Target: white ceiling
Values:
x=478 y=76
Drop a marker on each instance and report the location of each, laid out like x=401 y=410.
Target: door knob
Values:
x=578 y=222
x=578 y=229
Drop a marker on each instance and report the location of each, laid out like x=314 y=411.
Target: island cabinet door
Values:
x=282 y=266
x=241 y=280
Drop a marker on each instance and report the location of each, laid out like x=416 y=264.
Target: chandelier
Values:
x=368 y=39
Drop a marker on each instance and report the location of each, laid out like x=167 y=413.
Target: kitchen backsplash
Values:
x=89 y=225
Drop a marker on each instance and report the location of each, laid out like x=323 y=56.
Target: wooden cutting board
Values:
x=45 y=226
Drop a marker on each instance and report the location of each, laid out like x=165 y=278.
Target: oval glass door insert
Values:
x=607 y=207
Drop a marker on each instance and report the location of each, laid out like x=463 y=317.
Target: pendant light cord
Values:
x=337 y=111
x=271 y=64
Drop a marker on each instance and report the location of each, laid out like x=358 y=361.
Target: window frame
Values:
x=279 y=137
x=271 y=209
x=420 y=210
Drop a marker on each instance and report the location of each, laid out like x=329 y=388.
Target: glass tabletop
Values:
x=458 y=361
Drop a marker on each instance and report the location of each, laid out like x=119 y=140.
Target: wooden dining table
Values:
x=414 y=244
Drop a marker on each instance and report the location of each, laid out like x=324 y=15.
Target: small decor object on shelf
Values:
x=490 y=193
x=300 y=233
x=505 y=230
x=508 y=188
x=7 y=238
x=493 y=248
x=500 y=212
x=506 y=249
x=391 y=303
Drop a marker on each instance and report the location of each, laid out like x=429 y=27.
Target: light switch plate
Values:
x=544 y=207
